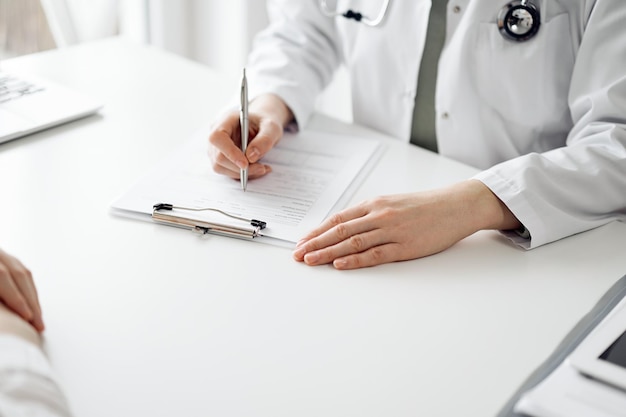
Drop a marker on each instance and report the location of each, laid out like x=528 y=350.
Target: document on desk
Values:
x=313 y=174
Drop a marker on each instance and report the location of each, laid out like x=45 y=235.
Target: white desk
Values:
x=148 y=320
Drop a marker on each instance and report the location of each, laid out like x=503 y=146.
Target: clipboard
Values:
x=164 y=213
x=313 y=174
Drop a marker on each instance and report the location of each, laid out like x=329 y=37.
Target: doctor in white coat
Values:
x=539 y=106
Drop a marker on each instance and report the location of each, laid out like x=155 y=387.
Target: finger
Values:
x=254 y=171
x=264 y=140
x=20 y=283
x=373 y=256
x=226 y=152
x=225 y=144
x=334 y=221
x=23 y=279
x=342 y=239
x=355 y=243
x=11 y=295
x=334 y=230
x=222 y=165
x=258 y=170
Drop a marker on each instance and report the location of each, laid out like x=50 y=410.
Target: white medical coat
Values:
x=544 y=118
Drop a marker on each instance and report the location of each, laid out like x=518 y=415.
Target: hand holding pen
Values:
x=267 y=115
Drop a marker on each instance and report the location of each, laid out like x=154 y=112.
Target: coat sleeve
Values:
x=296 y=56
x=583 y=184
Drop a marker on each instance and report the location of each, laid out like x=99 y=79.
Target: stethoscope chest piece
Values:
x=519 y=20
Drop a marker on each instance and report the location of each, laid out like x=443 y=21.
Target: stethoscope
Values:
x=359 y=17
x=518 y=20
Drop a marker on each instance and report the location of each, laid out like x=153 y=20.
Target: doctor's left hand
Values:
x=405 y=226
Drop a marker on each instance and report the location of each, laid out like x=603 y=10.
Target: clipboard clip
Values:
x=162 y=213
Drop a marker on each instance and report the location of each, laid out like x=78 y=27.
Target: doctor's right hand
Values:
x=267 y=116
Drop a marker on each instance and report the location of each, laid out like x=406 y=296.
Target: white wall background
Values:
x=217 y=33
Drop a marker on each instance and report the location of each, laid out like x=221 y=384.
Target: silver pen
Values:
x=243 y=121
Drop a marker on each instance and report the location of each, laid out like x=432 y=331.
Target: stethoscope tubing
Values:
x=358 y=16
x=510 y=25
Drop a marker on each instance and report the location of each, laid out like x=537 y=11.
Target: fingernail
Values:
x=39 y=325
x=241 y=164
x=311 y=258
x=299 y=253
x=340 y=263
x=28 y=314
x=253 y=154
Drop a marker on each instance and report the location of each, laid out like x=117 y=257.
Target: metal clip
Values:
x=204 y=227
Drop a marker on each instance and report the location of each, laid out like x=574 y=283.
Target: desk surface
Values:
x=150 y=320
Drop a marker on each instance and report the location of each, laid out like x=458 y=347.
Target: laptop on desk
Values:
x=28 y=105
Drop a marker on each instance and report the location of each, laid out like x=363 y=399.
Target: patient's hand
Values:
x=17 y=290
